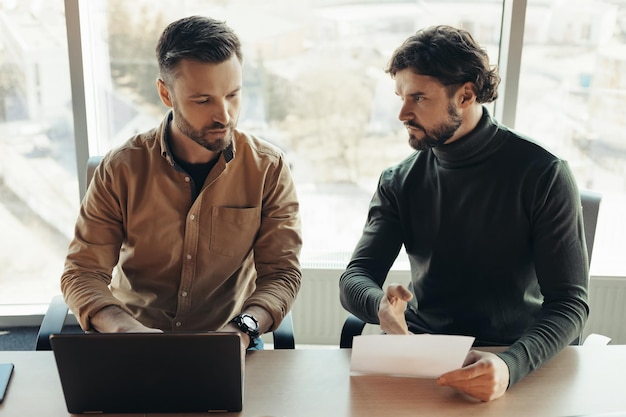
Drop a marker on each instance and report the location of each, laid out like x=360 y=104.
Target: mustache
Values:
x=413 y=125
x=219 y=126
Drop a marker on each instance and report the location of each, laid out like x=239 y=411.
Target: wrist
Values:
x=248 y=325
x=113 y=319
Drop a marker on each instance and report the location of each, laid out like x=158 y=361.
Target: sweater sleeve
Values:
x=361 y=284
x=562 y=269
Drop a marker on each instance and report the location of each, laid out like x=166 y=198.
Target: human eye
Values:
x=201 y=100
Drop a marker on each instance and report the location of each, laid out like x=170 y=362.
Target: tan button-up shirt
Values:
x=146 y=243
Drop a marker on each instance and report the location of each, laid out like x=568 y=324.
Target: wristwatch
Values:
x=248 y=324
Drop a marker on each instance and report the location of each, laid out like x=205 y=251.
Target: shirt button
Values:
x=192 y=217
x=178 y=324
x=184 y=293
x=188 y=256
x=187 y=179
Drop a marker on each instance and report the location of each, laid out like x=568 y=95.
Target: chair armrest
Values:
x=283 y=335
x=52 y=322
x=353 y=326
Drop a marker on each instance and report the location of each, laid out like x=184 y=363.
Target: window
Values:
x=38 y=188
x=314 y=85
x=572 y=95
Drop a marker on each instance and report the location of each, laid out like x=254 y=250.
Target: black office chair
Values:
x=56 y=314
x=353 y=326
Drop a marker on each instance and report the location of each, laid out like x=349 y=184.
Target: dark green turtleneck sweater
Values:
x=492 y=225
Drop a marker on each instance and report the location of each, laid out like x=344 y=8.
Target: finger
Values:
x=483 y=388
x=464 y=374
x=399 y=291
x=472 y=357
x=392 y=322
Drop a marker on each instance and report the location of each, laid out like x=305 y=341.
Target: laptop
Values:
x=150 y=372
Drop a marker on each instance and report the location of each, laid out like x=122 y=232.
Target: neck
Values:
x=471 y=116
x=472 y=148
x=188 y=150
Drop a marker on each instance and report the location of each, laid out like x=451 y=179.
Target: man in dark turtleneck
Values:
x=490 y=220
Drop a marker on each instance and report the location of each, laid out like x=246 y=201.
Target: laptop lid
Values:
x=150 y=372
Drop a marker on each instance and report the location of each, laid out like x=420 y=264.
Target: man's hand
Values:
x=483 y=376
x=391 y=310
x=112 y=319
x=245 y=339
x=263 y=317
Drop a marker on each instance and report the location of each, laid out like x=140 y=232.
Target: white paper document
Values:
x=421 y=356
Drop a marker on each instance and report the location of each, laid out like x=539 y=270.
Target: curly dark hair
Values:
x=450 y=55
x=195 y=38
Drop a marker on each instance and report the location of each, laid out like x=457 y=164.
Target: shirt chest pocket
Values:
x=234 y=229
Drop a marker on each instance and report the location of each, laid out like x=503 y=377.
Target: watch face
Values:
x=249 y=322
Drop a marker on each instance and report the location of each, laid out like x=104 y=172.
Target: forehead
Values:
x=408 y=82
x=195 y=77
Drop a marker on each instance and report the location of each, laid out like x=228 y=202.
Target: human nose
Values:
x=405 y=112
x=222 y=112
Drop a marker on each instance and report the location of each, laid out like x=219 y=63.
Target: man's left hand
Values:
x=263 y=317
x=483 y=376
x=245 y=339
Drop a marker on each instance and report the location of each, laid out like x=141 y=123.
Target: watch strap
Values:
x=251 y=331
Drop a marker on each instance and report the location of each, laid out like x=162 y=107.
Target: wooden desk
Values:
x=302 y=383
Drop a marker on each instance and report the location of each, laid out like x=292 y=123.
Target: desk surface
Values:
x=582 y=380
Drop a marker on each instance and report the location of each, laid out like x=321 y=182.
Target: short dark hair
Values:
x=450 y=55
x=196 y=38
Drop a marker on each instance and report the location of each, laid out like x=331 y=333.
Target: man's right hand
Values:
x=112 y=319
x=391 y=309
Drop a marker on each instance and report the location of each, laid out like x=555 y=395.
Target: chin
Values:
x=417 y=144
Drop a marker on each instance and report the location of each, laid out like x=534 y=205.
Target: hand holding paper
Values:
x=421 y=356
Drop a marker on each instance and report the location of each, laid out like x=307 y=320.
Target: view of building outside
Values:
x=38 y=187
x=314 y=84
x=573 y=99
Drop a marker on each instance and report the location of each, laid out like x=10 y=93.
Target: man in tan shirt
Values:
x=193 y=225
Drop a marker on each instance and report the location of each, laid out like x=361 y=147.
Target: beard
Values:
x=438 y=135
x=200 y=136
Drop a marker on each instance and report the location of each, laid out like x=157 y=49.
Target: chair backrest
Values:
x=591 y=207
x=92 y=164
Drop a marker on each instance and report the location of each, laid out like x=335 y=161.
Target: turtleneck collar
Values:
x=472 y=148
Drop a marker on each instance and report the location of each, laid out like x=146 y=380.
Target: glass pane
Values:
x=572 y=96
x=38 y=187
x=313 y=84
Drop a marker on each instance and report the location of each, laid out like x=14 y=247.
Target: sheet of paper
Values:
x=421 y=356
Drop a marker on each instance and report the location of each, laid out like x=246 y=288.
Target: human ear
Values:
x=467 y=95
x=164 y=93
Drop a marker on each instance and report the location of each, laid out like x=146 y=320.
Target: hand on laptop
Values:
x=112 y=319
x=245 y=339
x=263 y=317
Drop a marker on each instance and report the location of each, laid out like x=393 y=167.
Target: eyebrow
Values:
x=204 y=95
x=413 y=94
